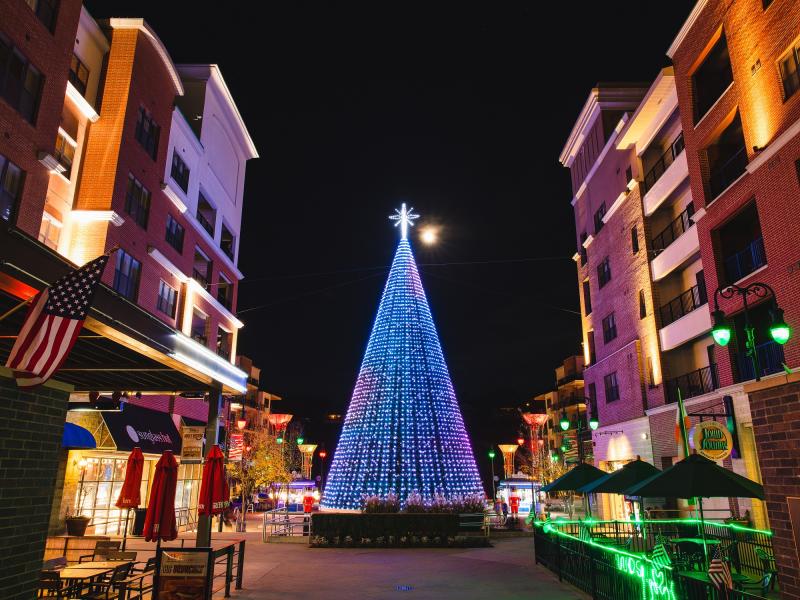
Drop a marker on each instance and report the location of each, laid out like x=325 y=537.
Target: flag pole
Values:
x=10 y=312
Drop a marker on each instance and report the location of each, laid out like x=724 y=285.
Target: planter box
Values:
x=389 y=530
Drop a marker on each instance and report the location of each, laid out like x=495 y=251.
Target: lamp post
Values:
x=494 y=487
x=722 y=331
x=322 y=454
x=580 y=424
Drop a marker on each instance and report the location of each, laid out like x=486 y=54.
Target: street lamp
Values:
x=494 y=488
x=241 y=424
x=580 y=427
x=322 y=454
x=722 y=331
x=521 y=441
x=564 y=420
x=300 y=440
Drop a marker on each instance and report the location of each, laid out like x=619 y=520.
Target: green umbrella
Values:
x=575 y=478
x=697 y=477
x=617 y=482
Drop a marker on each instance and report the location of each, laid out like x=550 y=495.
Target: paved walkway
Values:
x=504 y=572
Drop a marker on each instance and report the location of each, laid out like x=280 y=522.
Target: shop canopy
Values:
x=618 y=481
x=576 y=478
x=76 y=437
x=152 y=431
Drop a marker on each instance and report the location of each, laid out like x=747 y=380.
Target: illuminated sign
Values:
x=712 y=440
x=656 y=582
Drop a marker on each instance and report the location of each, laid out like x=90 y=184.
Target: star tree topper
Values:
x=405 y=219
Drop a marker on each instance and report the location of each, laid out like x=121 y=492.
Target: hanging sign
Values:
x=183 y=574
x=236 y=447
x=192 y=447
x=712 y=440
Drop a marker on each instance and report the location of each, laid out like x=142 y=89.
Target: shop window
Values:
x=126 y=275
x=20 y=81
x=137 y=202
x=11 y=180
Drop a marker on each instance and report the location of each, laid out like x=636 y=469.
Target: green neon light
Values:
x=685 y=521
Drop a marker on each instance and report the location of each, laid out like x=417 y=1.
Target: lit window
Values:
x=126 y=275
x=167 y=297
x=137 y=201
x=11 y=180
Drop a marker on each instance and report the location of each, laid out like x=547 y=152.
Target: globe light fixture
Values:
x=492 y=454
x=300 y=440
x=323 y=454
x=721 y=331
x=521 y=441
x=564 y=421
x=593 y=422
x=241 y=423
x=279 y=440
x=779 y=330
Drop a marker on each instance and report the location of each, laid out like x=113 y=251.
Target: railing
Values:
x=281 y=523
x=230 y=556
x=744 y=262
x=695 y=383
x=674 y=230
x=663 y=163
x=205 y=223
x=682 y=305
x=200 y=278
x=770 y=360
x=724 y=175
x=185 y=519
x=571 y=400
x=610 y=559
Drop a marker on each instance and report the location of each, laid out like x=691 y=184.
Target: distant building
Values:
x=256 y=404
x=567 y=401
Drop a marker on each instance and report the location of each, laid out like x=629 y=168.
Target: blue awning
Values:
x=77 y=438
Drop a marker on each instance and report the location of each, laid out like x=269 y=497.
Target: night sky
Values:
x=459 y=110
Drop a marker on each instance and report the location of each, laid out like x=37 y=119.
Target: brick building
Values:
x=736 y=70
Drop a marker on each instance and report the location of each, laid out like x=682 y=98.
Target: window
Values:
x=11 y=180
x=711 y=78
x=609 y=328
x=224 y=342
x=126 y=275
x=137 y=201
x=175 y=233
x=634 y=239
x=46 y=10
x=201 y=268
x=206 y=214
x=612 y=388
x=790 y=77
x=167 y=297
x=147 y=132
x=592 y=352
x=604 y=272
x=179 y=172
x=65 y=153
x=642 y=305
x=198 y=331
x=50 y=231
x=598 y=218
x=727 y=159
x=587 y=298
x=78 y=74
x=20 y=82
x=227 y=242
x=740 y=243
x=225 y=291
x=766 y=3
x=585 y=255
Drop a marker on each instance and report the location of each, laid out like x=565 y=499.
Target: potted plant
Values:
x=77 y=523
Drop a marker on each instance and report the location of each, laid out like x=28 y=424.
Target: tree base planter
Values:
x=77 y=525
x=390 y=530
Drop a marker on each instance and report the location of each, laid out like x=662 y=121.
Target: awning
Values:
x=77 y=438
x=150 y=430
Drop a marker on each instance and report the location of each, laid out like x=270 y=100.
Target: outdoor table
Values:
x=109 y=565
x=83 y=576
x=737 y=579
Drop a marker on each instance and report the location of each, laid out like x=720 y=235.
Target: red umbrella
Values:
x=130 y=496
x=159 y=523
x=214 y=492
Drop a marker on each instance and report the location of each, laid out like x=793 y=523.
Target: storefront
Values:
x=521 y=487
x=93 y=478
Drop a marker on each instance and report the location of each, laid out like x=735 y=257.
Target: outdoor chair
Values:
x=768 y=564
x=101 y=550
x=149 y=566
x=121 y=555
x=52 y=586
x=108 y=589
x=55 y=564
x=763 y=585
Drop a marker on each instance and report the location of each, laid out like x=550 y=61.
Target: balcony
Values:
x=682 y=305
x=567 y=402
x=695 y=383
x=742 y=263
x=725 y=174
x=674 y=230
x=690 y=326
x=770 y=360
x=675 y=245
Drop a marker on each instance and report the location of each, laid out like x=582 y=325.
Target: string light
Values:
x=403 y=432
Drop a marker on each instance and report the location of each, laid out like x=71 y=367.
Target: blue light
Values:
x=403 y=432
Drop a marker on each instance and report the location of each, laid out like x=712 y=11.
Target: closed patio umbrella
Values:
x=130 y=496
x=159 y=523
x=697 y=477
x=576 y=478
x=214 y=492
x=617 y=482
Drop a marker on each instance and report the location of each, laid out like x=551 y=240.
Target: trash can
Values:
x=138 y=521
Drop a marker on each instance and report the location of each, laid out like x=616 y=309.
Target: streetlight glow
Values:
x=429 y=235
x=492 y=454
x=721 y=332
x=564 y=421
x=779 y=330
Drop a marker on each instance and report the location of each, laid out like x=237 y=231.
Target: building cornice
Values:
x=203 y=292
x=586 y=118
x=684 y=31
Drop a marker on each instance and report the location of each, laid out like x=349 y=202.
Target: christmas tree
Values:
x=403 y=432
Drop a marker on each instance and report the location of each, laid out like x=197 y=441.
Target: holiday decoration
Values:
x=403 y=433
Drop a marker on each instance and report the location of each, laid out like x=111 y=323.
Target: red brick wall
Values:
x=753 y=35
x=776 y=424
x=19 y=140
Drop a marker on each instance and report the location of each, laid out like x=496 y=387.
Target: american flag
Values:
x=53 y=323
x=719 y=572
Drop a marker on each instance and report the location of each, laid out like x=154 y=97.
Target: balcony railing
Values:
x=724 y=175
x=663 y=163
x=674 y=230
x=695 y=383
x=770 y=360
x=567 y=402
x=207 y=225
x=745 y=261
x=682 y=305
x=201 y=278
